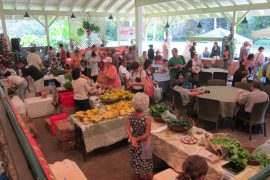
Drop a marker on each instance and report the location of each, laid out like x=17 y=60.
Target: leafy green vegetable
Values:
x=173 y=121
x=261 y=158
x=57 y=72
x=68 y=85
x=239 y=155
x=67 y=76
x=158 y=109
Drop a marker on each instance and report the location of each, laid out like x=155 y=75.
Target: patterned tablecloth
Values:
x=102 y=134
x=167 y=146
x=226 y=96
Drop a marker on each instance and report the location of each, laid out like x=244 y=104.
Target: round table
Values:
x=225 y=95
x=212 y=70
x=155 y=67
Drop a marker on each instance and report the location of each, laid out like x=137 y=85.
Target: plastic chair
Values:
x=177 y=102
x=204 y=77
x=220 y=75
x=257 y=117
x=216 y=82
x=243 y=86
x=208 y=110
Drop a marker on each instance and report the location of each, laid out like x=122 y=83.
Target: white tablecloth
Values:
x=19 y=105
x=161 y=77
x=212 y=70
x=38 y=107
x=102 y=134
x=167 y=146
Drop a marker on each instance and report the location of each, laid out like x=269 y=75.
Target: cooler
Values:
x=38 y=107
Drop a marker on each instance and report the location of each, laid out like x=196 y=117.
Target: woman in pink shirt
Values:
x=111 y=73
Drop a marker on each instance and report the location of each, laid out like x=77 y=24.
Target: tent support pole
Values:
x=3 y=21
x=139 y=24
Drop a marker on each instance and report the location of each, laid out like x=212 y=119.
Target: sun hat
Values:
x=107 y=60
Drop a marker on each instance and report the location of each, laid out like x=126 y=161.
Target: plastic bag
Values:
x=146 y=149
x=157 y=94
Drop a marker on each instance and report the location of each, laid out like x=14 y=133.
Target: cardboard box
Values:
x=68 y=111
x=65 y=146
x=65 y=131
x=47 y=124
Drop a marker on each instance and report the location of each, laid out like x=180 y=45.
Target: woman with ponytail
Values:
x=194 y=168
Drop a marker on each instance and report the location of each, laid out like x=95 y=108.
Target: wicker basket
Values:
x=181 y=129
x=158 y=119
x=252 y=162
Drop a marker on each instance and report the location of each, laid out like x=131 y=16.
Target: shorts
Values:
x=38 y=85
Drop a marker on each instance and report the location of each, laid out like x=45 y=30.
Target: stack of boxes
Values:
x=66 y=100
x=65 y=135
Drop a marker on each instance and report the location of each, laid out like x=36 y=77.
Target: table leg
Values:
x=80 y=142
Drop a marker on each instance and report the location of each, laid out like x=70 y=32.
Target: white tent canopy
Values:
x=217 y=35
x=263 y=33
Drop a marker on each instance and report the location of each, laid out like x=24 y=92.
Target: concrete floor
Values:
x=113 y=162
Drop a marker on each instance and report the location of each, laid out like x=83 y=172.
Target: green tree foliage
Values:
x=111 y=31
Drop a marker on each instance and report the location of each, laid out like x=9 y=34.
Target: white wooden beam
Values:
x=239 y=20
x=109 y=6
x=150 y=2
x=44 y=5
x=229 y=19
x=159 y=8
x=98 y=5
x=87 y=4
x=130 y=9
x=123 y=5
x=60 y=4
x=47 y=31
x=258 y=6
x=53 y=20
x=3 y=21
x=139 y=26
x=190 y=3
x=65 y=13
x=177 y=4
x=41 y=23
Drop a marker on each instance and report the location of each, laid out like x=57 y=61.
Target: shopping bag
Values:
x=157 y=94
x=146 y=149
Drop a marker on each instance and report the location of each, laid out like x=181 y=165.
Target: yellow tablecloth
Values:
x=168 y=147
x=102 y=134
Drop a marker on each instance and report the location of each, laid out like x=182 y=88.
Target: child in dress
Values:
x=140 y=148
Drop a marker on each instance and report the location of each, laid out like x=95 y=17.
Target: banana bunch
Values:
x=116 y=94
x=122 y=108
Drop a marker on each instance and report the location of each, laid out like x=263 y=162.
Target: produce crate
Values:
x=66 y=98
x=55 y=118
x=65 y=131
x=65 y=146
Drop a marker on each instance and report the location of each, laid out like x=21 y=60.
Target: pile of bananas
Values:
x=122 y=108
x=115 y=95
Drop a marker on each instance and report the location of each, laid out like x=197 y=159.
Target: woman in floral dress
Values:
x=139 y=136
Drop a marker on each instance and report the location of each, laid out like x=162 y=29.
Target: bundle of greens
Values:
x=68 y=85
x=158 y=109
x=171 y=119
x=57 y=73
x=238 y=154
x=261 y=158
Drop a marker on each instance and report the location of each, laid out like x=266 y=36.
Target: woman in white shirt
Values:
x=15 y=80
x=81 y=89
x=123 y=72
x=93 y=62
x=137 y=78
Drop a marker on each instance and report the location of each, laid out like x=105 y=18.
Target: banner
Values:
x=127 y=33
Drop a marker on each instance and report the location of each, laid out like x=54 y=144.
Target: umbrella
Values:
x=217 y=35
x=263 y=33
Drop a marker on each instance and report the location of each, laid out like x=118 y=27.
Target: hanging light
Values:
x=111 y=17
x=72 y=16
x=167 y=26
x=245 y=21
x=26 y=15
x=199 y=25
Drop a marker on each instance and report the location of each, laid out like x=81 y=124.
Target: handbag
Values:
x=102 y=79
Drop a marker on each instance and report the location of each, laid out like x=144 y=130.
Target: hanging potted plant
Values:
x=88 y=28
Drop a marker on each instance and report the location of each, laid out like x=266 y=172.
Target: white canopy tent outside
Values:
x=217 y=35
x=263 y=33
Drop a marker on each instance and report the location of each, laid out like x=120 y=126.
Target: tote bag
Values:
x=149 y=87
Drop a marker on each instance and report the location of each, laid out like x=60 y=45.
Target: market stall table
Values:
x=213 y=70
x=163 y=81
x=225 y=95
x=167 y=146
x=102 y=134
x=60 y=78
